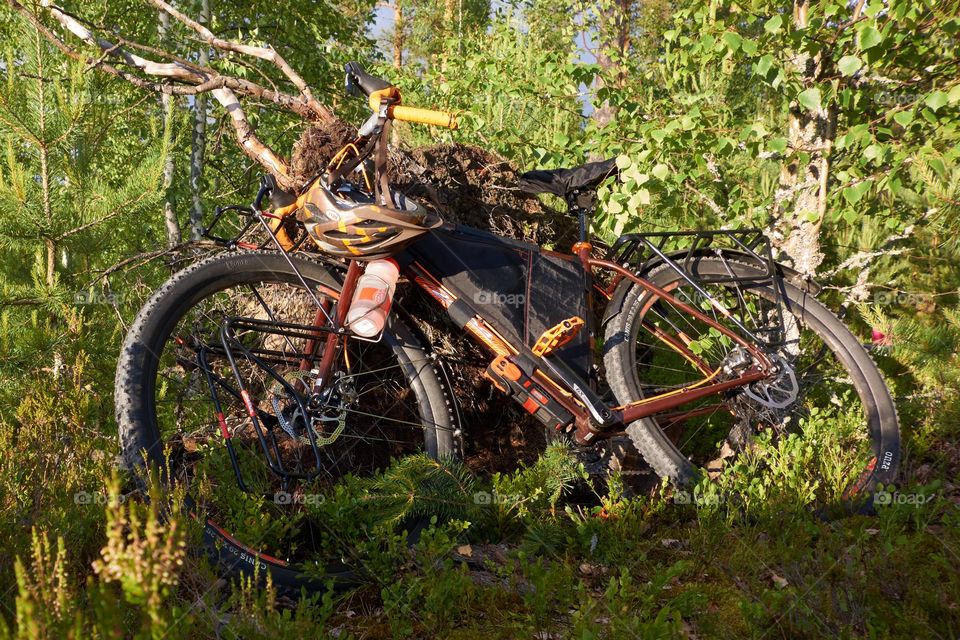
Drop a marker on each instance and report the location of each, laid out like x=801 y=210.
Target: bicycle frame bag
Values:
x=521 y=290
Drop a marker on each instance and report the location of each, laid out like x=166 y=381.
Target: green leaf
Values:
x=763 y=65
x=623 y=162
x=661 y=171
x=810 y=99
x=954 y=95
x=777 y=144
x=854 y=193
x=849 y=65
x=732 y=40
x=903 y=118
x=873 y=152
x=749 y=46
x=936 y=100
x=615 y=205
x=773 y=24
x=869 y=37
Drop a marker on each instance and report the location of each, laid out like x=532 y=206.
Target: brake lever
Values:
x=265 y=190
x=350 y=81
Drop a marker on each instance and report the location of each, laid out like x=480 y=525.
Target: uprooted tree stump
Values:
x=471 y=186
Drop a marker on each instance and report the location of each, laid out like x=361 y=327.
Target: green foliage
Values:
x=532 y=490
x=701 y=98
x=534 y=119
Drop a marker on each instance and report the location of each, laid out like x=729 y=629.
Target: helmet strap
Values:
x=381 y=169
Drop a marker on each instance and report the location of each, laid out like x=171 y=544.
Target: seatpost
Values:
x=583 y=250
x=583 y=215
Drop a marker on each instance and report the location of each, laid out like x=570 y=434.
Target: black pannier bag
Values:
x=519 y=288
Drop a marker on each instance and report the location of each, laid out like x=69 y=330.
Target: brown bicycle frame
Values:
x=498 y=345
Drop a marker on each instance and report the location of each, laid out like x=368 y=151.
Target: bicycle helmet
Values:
x=351 y=225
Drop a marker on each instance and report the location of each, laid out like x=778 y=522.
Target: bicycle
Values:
x=243 y=374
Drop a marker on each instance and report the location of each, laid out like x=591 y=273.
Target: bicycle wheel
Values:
x=224 y=324
x=832 y=375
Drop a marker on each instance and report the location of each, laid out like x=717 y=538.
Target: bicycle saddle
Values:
x=567 y=182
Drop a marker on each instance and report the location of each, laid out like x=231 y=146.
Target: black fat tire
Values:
x=660 y=452
x=140 y=437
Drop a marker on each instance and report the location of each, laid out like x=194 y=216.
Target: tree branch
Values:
x=198 y=79
x=263 y=53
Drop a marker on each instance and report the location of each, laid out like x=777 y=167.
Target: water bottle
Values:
x=372 y=298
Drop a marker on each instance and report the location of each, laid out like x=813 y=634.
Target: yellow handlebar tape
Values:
x=411 y=114
x=423 y=116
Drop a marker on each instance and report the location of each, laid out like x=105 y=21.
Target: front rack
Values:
x=253 y=218
x=265 y=424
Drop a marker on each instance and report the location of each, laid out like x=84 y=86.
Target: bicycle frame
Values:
x=593 y=417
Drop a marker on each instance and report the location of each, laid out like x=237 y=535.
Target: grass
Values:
x=746 y=556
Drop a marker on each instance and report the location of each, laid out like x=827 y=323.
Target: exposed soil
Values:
x=462 y=183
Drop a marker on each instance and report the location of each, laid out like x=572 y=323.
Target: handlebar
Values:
x=423 y=116
x=378 y=90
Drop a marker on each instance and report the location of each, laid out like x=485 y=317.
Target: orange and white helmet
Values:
x=361 y=230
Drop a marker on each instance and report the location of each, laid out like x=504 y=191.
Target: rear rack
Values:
x=681 y=249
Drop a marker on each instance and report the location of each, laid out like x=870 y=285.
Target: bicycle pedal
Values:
x=557 y=336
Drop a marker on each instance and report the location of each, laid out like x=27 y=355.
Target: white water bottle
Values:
x=372 y=298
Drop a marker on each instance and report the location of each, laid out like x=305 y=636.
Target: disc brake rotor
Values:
x=314 y=421
x=778 y=392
